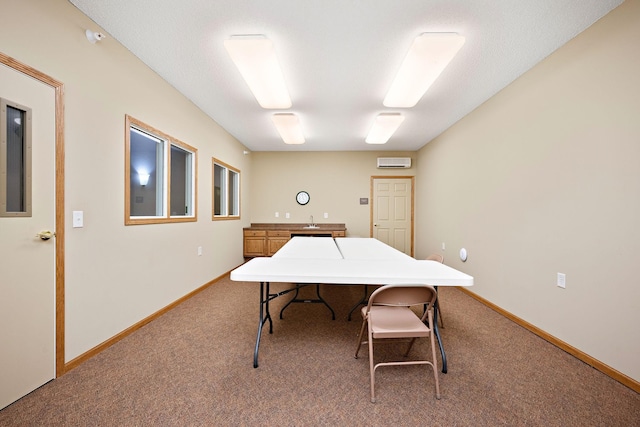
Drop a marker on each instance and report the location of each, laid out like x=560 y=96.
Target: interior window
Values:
x=160 y=176
x=226 y=191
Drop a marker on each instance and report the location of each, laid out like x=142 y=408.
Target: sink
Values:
x=311 y=226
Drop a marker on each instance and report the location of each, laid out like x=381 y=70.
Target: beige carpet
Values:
x=193 y=367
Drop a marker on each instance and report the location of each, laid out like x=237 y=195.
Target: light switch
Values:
x=286 y=215
x=561 y=281
x=78 y=219
x=326 y=215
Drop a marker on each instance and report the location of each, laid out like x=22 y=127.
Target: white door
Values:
x=393 y=212
x=27 y=263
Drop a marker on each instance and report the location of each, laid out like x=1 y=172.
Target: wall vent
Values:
x=394 y=162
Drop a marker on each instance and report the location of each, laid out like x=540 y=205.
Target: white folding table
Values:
x=368 y=249
x=305 y=248
x=341 y=261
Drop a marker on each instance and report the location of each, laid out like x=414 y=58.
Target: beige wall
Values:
x=541 y=179
x=545 y=178
x=117 y=275
x=335 y=181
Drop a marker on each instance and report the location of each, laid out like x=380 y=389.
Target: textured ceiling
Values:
x=340 y=56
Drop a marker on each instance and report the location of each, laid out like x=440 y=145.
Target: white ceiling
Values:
x=339 y=57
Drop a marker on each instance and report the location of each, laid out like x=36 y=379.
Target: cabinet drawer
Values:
x=279 y=233
x=255 y=233
x=339 y=234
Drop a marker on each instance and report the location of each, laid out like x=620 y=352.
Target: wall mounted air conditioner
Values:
x=394 y=162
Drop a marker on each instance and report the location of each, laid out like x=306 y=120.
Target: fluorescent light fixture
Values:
x=255 y=57
x=428 y=56
x=384 y=125
x=288 y=126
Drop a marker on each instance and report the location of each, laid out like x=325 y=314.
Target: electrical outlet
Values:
x=562 y=281
x=326 y=215
x=199 y=250
x=277 y=214
x=443 y=246
x=287 y=215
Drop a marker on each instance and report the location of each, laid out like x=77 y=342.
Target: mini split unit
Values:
x=394 y=162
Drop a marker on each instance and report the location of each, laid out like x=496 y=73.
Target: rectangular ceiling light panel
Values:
x=384 y=125
x=428 y=56
x=289 y=128
x=256 y=60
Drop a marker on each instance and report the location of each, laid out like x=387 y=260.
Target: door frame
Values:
x=59 y=196
x=371 y=205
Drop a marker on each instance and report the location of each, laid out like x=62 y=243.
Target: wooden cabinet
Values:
x=255 y=243
x=266 y=239
x=276 y=240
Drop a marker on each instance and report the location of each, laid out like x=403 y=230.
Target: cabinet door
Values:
x=275 y=244
x=254 y=246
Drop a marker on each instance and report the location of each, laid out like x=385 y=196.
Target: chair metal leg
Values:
x=433 y=358
x=406 y=354
x=372 y=368
x=360 y=342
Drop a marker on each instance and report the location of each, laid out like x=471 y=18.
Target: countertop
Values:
x=296 y=226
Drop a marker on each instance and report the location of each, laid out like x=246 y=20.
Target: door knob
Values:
x=45 y=235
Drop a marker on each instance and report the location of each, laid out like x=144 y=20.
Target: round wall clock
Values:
x=302 y=198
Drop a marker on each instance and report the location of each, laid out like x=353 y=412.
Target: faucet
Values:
x=312 y=224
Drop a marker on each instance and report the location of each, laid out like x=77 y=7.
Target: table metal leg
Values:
x=363 y=301
x=295 y=298
x=264 y=316
x=438 y=308
x=437 y=333
x=318 y=299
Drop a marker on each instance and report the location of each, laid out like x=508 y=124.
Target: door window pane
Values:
x=15 y=159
